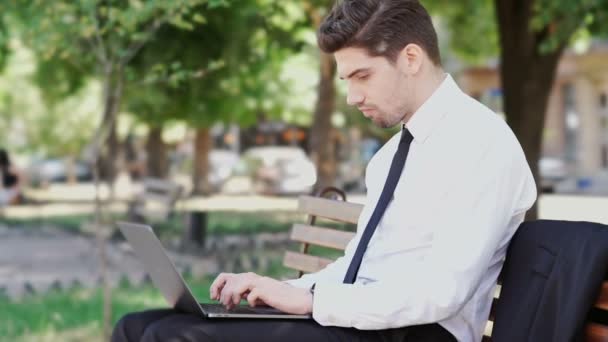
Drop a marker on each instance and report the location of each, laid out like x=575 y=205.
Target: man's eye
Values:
x=363 y=77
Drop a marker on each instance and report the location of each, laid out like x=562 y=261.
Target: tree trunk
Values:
x=109 y=148
x=527 y=76
x=157 y=153
x=202 y=148
x=109 y=152
x=70 y=167
x=322 y=148
x=112 y=94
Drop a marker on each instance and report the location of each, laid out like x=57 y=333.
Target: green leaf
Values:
x=198 y=18
x=218 y=3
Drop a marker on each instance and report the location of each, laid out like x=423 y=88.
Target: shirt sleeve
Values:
x=332 y=273
x=467 y=231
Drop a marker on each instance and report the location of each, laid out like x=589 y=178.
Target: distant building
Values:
x=576 y=126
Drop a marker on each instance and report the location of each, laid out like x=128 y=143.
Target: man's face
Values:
x=380 y=89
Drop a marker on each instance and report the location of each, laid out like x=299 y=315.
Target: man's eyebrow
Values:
x=355 y=72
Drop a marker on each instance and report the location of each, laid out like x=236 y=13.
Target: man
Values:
x=433 y=234
x=10 y=181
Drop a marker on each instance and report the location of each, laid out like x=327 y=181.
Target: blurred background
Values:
x=207 y=118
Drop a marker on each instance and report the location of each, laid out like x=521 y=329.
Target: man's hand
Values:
x=281 y=296
x=229 y=289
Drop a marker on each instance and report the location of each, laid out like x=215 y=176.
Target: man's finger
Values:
x=217 y=285
x=236 y=298
x=240 y=290
x=253 y=297
x=213 y=289
x=226 y=295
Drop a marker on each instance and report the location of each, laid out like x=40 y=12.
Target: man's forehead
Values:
x=349 y=60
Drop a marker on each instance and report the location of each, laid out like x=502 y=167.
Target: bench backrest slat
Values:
x=152 y=212
x=305 y=262
x=602 y=301
x=160 y=190
x=325 y=237
x=596 y=332
x=157 y=199
x=159 y=185
x=154 y=197
x=330 y=209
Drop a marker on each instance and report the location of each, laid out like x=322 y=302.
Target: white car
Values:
x=552 y=171
x=55 y=170
x=281 y=170
x=221 y=167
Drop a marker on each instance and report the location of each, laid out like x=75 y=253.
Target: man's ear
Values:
x=410 y=59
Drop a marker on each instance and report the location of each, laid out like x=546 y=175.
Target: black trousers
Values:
x=171 y=326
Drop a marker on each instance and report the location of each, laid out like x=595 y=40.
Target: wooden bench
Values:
x=341 y=211
x=311 y=234
x=156 y=202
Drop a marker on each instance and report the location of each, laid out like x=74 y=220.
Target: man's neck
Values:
x=426 y=88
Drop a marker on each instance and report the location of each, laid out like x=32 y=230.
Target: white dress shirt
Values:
x=437 y=252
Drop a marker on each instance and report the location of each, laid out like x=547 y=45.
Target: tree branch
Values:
x=193 y=76
x=77 y=66
x=101 y=51
x=134 y=48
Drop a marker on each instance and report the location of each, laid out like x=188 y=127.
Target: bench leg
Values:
x=197 y=229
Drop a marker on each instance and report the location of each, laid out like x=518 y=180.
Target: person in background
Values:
x=9 y=181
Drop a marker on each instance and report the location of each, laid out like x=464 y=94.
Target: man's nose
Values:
x=354 y=97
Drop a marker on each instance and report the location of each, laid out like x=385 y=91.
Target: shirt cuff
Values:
x=300 y=282
x=330 y=307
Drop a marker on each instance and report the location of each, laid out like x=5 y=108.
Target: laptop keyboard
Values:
x=240 y=309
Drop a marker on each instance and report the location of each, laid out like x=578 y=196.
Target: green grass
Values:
x=75 y=314
x=226 y=223
x=219 y=223
x=76 y=308
x=325 y=252
x=72 y=222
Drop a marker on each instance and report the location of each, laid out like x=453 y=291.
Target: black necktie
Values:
x=387 y=195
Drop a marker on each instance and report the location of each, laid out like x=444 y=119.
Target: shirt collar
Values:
x=426 y=118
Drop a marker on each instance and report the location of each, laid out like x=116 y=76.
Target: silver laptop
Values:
x=167 y=279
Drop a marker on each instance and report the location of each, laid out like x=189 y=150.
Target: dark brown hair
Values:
x=382 y=27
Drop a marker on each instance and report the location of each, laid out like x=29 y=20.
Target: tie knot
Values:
x=406 y=136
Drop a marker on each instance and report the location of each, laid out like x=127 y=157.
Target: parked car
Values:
x=222 y=164
x=56 y=170
x=552 y=172
x=280 y=170
x=584 y=184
